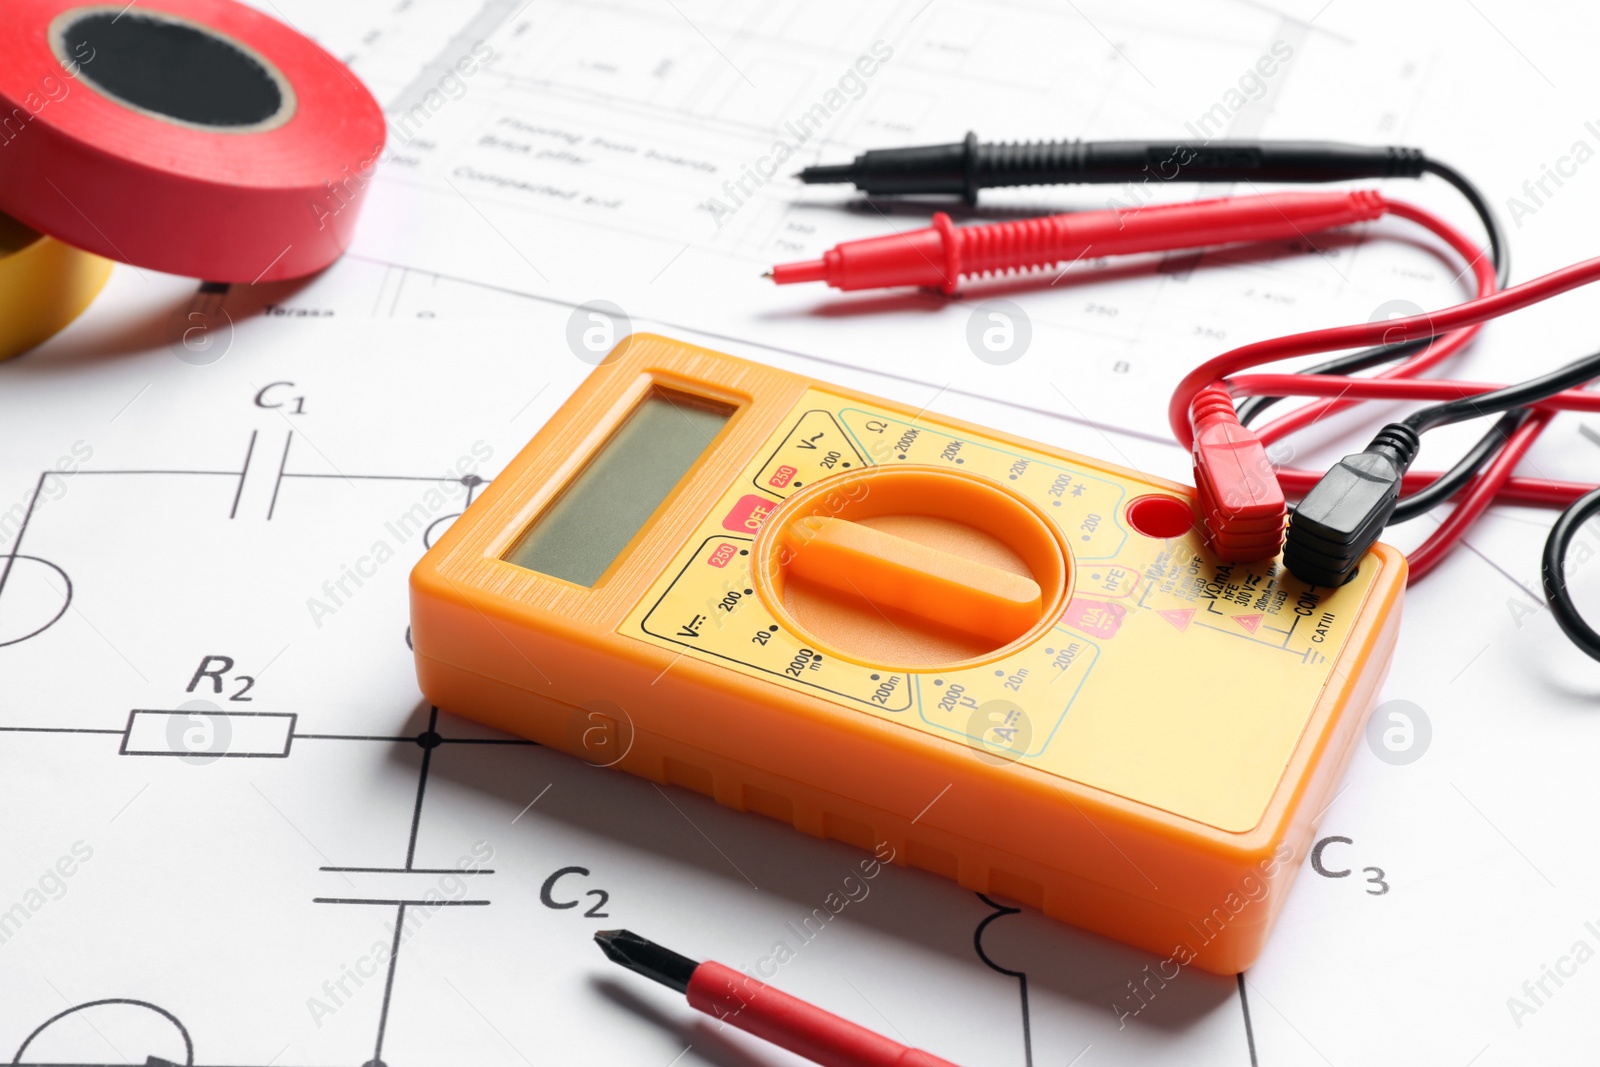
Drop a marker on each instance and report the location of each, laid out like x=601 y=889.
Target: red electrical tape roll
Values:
x=195 y=137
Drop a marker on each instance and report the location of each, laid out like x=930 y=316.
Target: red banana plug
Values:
x=1240 y=500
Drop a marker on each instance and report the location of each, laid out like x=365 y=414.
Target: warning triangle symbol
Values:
x=1249 y=622
x=1180 y=619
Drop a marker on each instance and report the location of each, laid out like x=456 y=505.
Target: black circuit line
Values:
x=1021 y=976
x=183 y=1031
x=408 y=870
x=228 y=713
x=57 y=730
x=422 y=786
x=388 y=984
x=66 y=601
x=16 y=545
x=1249 y=1030
x=378 y=477
x=486 y=741
x=391 y=901
x=293 y=737
x=413 y=739
x=127 y=732
x=216 y=755
x=282 y=463
x=243 y=472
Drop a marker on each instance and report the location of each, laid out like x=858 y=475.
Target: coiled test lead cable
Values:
x=1331 y=527
x=1319 y=554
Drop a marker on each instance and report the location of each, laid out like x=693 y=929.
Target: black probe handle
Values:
x=967 y=166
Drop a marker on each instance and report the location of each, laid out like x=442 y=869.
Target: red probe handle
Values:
x=791 y=1023
x=938 y=256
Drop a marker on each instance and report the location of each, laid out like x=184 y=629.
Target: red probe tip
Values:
x=811 y=270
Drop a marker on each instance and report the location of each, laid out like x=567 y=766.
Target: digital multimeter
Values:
x=1007 y=664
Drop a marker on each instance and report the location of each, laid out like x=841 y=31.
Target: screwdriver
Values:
x=938 y=256
x=757 y=1008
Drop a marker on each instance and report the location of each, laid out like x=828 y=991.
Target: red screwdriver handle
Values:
x=791 y=1023
x=938 y=256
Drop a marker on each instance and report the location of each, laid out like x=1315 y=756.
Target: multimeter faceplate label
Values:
x=1170 y=679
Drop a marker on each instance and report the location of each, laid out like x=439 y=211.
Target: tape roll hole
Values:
x=172 y=69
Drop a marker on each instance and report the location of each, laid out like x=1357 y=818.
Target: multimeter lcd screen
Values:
x=591 y=522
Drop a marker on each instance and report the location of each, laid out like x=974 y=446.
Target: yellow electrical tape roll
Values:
x=44 y=285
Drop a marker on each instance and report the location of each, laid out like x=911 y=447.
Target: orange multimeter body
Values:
x=1004 y=663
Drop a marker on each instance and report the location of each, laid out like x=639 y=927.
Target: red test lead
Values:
x=938 y=256
x=757 y=1008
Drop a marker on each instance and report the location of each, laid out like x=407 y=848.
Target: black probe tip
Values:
x=824 y=174
x=644 y=957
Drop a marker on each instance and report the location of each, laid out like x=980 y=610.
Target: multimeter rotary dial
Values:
x=913 y=567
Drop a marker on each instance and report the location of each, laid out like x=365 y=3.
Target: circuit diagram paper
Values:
x=229 y=530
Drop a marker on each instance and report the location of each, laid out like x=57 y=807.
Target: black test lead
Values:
x=966 y=166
